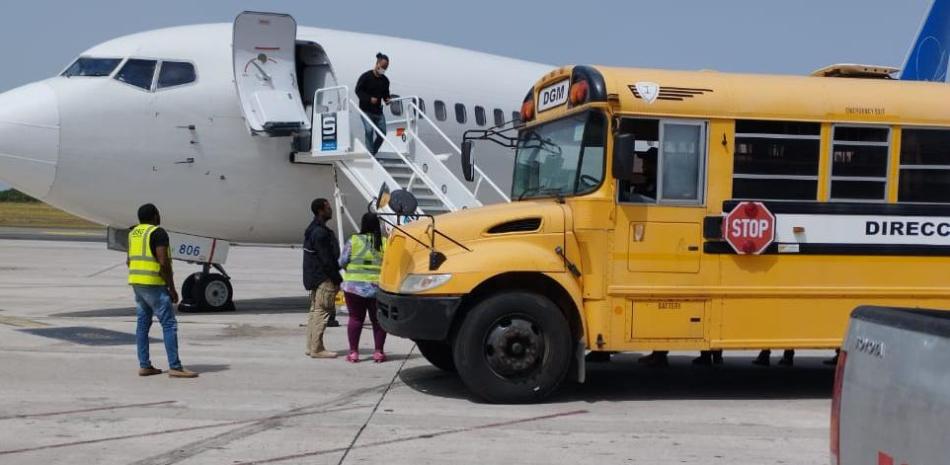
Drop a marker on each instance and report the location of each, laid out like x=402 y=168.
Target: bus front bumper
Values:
x=417 y=317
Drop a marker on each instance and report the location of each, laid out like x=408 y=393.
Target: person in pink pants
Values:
x=361 y=261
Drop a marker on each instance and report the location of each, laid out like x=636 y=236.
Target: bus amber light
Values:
x=527 y=110
x=579 y=92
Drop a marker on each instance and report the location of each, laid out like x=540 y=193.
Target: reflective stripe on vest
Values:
x=144 y=269
x=365 y=260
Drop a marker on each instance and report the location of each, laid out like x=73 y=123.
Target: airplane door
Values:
x=265 y=73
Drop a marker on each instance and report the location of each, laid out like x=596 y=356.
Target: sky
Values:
x=40 y=37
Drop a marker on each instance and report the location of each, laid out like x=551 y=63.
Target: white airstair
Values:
x=404 y=161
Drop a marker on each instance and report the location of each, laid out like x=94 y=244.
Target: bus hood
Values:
x=468 y=225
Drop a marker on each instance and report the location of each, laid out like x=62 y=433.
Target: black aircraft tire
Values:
x=213 y=292
x=438 y=353
x=514 y=347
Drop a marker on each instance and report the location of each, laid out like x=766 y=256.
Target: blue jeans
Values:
x=154 y=300
x=373 y=141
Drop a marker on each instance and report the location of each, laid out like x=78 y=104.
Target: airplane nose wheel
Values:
x=210 y=292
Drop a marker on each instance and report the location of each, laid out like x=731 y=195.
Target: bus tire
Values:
x=438 y=353
x=514 y=347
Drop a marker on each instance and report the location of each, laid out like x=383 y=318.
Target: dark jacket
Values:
x=321 y=256
x=370 y=85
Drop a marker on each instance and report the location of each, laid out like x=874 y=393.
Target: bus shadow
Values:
x=623 y=379
x=269 y=305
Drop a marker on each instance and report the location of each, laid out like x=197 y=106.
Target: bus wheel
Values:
x=514 y=348
x=439 y=354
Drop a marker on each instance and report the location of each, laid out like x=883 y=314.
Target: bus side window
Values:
x=682 y=162
x=776 y=160
x=642 y=186
x=925 y=166
x=859 y=156
x=440 y=110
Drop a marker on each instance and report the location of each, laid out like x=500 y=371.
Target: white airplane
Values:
x=157 y=117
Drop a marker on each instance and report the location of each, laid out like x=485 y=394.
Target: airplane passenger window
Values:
x=138 y=73
x=396 y=108
x=422 y=105
x=516 y=117
x=92 y=67
x=175 y=73
x=499 y=117
x=461 y=115
x=480 y=115
x=440 y=110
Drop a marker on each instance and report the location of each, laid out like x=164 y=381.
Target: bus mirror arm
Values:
x=623 y=156
x=570 y=266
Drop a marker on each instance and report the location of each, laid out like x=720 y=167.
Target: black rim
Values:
x=514 y=347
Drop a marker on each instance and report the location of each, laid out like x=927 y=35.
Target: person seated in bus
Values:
x=788 y=358
x=643 y=190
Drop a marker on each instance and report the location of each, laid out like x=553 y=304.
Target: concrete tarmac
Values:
x=69 y=392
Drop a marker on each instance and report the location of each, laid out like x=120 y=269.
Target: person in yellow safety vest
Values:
x=361 y=260
x=150 y=275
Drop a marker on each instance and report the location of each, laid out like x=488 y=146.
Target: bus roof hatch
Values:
x=856 y=71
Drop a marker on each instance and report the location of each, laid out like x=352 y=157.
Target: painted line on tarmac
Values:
x=372 y=413
x=20 y=322
x=86 y=410
x=184 y=452
x=416 y=437
x=171 y=431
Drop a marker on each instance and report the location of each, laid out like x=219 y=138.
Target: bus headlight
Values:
x=423 y=282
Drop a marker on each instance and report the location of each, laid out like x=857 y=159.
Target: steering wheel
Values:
x=589 y=180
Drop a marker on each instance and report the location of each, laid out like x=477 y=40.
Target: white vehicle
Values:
x=218 y=136
x=891 y=402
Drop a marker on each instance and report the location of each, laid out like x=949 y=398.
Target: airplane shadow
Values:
x=624 y=379
x=270 y=305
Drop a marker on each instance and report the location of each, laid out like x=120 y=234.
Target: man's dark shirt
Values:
x=159 y=238
x=370 y=85
x=321 y=256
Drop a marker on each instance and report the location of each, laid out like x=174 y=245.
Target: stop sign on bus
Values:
x=749 y=228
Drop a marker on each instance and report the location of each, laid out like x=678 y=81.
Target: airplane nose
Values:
x=29 y=138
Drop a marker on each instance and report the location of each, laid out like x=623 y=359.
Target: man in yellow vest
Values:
x=150 y=275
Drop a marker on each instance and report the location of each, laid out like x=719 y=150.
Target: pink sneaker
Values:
x=379 y=356
x=353 y=357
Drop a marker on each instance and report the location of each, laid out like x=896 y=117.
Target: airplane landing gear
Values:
x=205 y=291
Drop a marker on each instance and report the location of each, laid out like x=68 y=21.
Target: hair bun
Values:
x=381 y=56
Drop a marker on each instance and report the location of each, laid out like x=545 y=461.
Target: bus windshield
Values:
x=563 y=157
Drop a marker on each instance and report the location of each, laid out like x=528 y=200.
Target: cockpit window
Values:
x=175 y=73
x=138 y=73
x=92 y=67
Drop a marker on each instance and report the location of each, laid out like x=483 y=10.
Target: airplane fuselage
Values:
x=188 y=149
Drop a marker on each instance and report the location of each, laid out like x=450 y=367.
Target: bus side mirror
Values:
x=623 y=156
x=468 y=160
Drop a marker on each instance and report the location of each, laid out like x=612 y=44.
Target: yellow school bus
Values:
x=669 y=210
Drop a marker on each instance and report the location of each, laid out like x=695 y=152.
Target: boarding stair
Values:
x=404 y=160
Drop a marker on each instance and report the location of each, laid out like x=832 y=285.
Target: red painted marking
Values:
x=884 y=459
x=214 y=244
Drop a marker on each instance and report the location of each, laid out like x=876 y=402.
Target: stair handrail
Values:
x=481 y=174
x=422 y=176
x=344 y=98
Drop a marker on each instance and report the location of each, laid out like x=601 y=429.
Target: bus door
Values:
x=660 y=212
